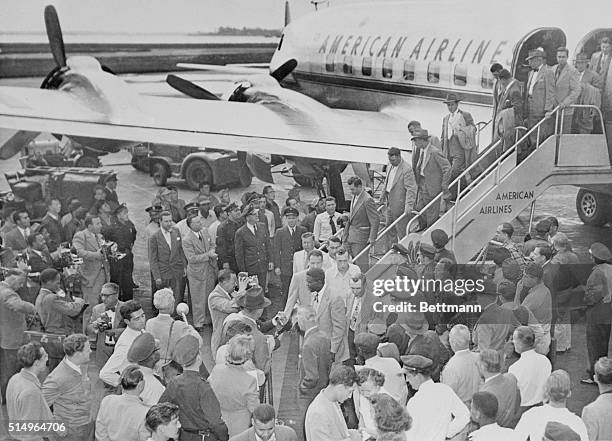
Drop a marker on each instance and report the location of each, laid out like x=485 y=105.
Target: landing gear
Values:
x=592 y=207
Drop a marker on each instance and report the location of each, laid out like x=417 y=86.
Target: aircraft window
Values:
x=329 y=63
x=409 y=67
x=387 y=70
x=347 y=68
x=433 y=72
x=366 y=67
x=460 y=77
x=487 y=78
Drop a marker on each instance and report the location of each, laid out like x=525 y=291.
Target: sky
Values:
x=149 y=16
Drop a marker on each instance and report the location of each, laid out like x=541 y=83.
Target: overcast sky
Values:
x=149 y=16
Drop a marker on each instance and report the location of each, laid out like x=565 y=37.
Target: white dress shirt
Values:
x=531 y=371
x=110 y=372
x=168 y=237
x=494 y=432
x=423 y=159
x=533 y=422
x=339 y=283
x=390 y=178
x=453 y=121
x=532 y=79
x=153 y=389
x=437 y=413
x=322 y=228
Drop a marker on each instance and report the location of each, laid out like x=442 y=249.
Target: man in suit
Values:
x=167 y=259
x=265 y=427
x=94 y=270
x=110 y=187
x=201 y=270
x=221 y=303
x=299 y=293
x=567 y=88
x=287 y=241
x=600 y=63
x=596 y=415
x=510 y=111
x=16 y=239
x=503 y=386
x=455 y=122
x=331 y=314
x=106 y=323
x=498 y=89
x=123 y=232
x=539 y=98
x=225 y=238
x=399 y=194
x=363 y=222
x=300 y=258
x=13 y=311
x=269 y=193
x=252 y=247
x=432 y=177
x=590 y=93
x=53 y=224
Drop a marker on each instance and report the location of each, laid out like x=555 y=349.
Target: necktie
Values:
x=255 y=229
x=332 y=224
x=200 y=236
x=291 y=231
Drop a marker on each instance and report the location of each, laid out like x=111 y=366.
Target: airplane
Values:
x=354 y=76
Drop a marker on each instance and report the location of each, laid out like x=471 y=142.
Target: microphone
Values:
x=183 y=310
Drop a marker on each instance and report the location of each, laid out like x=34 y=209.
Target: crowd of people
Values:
x=364 y=373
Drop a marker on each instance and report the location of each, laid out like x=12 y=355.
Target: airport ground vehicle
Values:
x=195 y=165
x=31 y=187
x=52 y=154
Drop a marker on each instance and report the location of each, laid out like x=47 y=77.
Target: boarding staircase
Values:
x=503 y=189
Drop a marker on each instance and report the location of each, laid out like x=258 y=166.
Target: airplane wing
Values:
x=264 y=127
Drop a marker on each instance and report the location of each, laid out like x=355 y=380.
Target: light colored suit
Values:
x=596 y=417
x=236 y=391
x=298 y=292
x=462 y=375
x=362 y=227
x=220 y=305
x=201 y=273
x=600 y=68
x=567 y=86
x=331 y=320
x=401 y=198
x=590 y=93
x=94 y=270
x=542 y=100
x=281 y=433
x=15 y=240
x=300 y=261
x=104 y=347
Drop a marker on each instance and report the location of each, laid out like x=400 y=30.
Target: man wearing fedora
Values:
x=539 y=99
x=252 y=247
x=433 y=173
x=458 y=136
x=590 y=93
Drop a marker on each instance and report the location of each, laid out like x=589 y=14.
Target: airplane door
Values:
x=548 y=39
x=589 y=44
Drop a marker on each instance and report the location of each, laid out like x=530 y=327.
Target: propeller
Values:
x=190 y=89
x=54 y=33
x=284 y=69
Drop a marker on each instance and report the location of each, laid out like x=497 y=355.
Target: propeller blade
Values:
x=285 y=69
x=54 y=34
x=190 y=89
x=287 y=13
x=15 y=142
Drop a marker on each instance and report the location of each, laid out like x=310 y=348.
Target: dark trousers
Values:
x=176 y=284
x=285 y=282
x=121 y=274
x=262 y=277
x=351 y=345
x=8 y=368
x=597 y=336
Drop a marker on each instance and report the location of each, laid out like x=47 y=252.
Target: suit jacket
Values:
x=253 y=252
x=436 y=172
x=88 y=248
x=220 y=305
x=600 y=68
x=298 y=292
x=166 y=262
x=364 y=220
x=56 y=232
x=468 y=120
x=285 y=246
x=199 y=265
x=402 y=196
x=331 y=320
x=13 y=311
x=15 y=240
x=39 y=262
x=543 y=98
x=596 y=417
x=225 y=243
x=282 y=433
x=236 y=391
x=567 y=87
x=506 y=390
x=315 y=362
x=514 y=95
x=300 y=263
x=69 y=394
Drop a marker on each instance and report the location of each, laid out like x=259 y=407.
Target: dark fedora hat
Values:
x=254 y=299
x=451 y=98
x=420 y=134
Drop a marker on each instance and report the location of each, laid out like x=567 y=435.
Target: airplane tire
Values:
x=592 y=207
x=160 y=174
x=198 y=171
x=302 y=180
